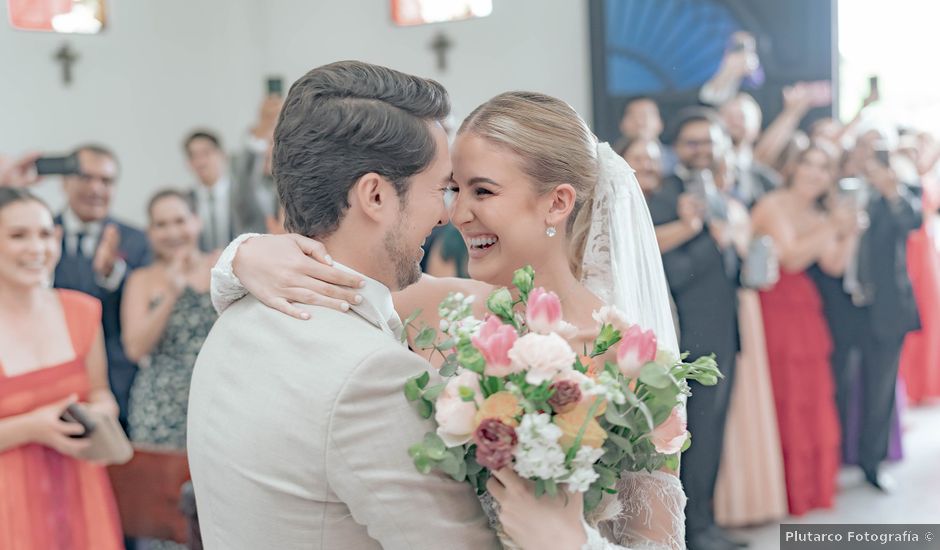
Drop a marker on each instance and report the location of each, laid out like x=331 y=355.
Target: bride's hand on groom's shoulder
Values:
x=281 y=270
x=543 y=523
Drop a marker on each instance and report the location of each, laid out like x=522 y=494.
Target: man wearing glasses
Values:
x=98 y=253
x=690 y=215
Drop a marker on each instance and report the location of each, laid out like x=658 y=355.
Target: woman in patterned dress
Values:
x=166 y=316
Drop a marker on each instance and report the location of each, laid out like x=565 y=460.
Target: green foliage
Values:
x=500 y=304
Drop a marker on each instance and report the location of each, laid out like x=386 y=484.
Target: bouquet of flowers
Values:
x=515 y=394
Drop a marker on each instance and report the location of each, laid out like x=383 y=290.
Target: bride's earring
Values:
x=550 y=231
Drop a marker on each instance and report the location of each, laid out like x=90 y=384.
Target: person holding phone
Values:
x=52 y=356
x=99 y=252
x=19 y=172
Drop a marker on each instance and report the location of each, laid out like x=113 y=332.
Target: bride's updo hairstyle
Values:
x=554 y=145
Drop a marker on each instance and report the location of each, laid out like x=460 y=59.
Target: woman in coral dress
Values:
x=920 y=357
x=51 y=354
x=797 y=336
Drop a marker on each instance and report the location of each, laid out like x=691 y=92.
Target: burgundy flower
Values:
x=567 y=395
x=495 y=443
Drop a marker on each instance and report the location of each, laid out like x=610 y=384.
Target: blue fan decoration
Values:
x=654 y=46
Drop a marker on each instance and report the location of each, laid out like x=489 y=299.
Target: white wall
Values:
x=167 y=66
x=162 y=68
x=538 y=45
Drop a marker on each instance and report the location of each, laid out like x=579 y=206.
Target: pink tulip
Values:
x=543 y=311
x=637 y=348
x=494 y=341
x=670 y=436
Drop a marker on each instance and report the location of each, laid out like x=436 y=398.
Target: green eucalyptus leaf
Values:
x=412 y=391
x=423 y=380
x=432 y=393
x=425 y=338
x=655 y=375
x=425 y=409
x=434 y=446
x=449 y=368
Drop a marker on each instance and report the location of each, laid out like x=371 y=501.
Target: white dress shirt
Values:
x=214 y=208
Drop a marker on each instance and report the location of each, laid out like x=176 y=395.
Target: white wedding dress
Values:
x=623 y=267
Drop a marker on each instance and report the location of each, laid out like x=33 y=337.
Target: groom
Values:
x=299 y=430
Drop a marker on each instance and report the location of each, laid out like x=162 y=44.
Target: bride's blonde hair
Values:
x=555 y=146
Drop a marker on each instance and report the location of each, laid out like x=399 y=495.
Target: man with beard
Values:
x=298 y=430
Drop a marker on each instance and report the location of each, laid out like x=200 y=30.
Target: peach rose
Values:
x=455 y=417
x=670 y=436
x=571 y=422
x=502 y=406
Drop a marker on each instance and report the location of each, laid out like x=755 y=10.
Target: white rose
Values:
x=541 y=356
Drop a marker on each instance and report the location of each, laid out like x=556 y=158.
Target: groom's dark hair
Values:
x=342 y=121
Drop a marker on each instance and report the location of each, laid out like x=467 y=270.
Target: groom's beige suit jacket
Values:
x=299 y=434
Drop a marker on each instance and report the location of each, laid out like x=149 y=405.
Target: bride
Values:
x=531 y=186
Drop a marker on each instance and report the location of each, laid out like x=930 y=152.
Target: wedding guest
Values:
x=167 y=314
x=798 y=339
x=645 y=156
x=98 y=253
x=885 y=300
x=699 y=260
x=752 y=442
x=52 y=355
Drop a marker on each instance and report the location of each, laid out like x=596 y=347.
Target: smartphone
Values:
x=883 y=157
x=276 y=86
x=873 y=86
x=46 y=166
x=77 y=413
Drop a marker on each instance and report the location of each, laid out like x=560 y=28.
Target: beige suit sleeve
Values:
x=369 y=469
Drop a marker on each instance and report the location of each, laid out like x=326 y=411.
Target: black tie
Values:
x=79 y=244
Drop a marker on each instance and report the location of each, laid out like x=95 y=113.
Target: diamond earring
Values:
x=550 y=231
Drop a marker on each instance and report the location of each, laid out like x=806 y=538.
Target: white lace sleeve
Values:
x=226 y=289
x=653 y=512
x=596 y=541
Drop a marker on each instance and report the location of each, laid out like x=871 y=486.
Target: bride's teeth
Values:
x=482 y=241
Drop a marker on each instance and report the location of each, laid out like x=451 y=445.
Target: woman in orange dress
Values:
x=51 y=355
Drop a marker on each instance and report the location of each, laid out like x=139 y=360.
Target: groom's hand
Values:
x=281 y=270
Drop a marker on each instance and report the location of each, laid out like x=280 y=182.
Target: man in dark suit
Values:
x=886 y=311
x=701 y=269
x=98 y=253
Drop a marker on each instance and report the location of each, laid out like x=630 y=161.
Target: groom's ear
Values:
x=561 y=203
x=374 y=195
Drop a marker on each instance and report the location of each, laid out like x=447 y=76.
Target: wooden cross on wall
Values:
x=440 y=45
x=66 y=57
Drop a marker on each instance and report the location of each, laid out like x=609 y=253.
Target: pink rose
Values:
x=541 y=356
x=494 y=341
x=637 y=348
x=579 y=378
x=669 y=436
x=495 y=443
x=454 y=416
x=543 y=311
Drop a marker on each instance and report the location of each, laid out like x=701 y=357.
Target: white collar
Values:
x=377 y=306
x=219 y=188
x=72 y=224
